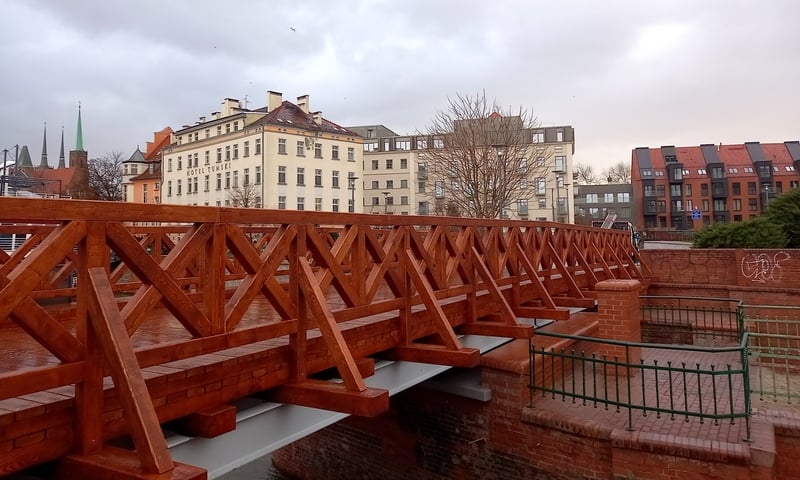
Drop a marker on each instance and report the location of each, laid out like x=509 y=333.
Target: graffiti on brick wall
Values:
x=763 y=267
x=692 y=266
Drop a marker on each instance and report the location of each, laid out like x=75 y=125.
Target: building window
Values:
x=207 y=183
x=335 y=152
x=180 y=166
x=335 y=179
x=351 y=154
x=752 y=204
x=247 y=176
x=208 y=157
x=438 y=189
x=403 y=183
x=227 y=180
x=169 y=164
x=301 y=203
x=317 y=150
x=541 y=186
x=375 y=165
x=282 y=146
x=421 y=187
x=318 y=204
x=737 y=205
x=389 y=164
x=538 y=137
x=227 y=152
x=522 y=207
x=301 y=149
x=169 y=188
x=301 y=176
x=247 y=148
x=376 y=185
x=281 y=175
x=180 y=187
x=335 y=205
x=704 y=189
x=219 y=154
x=688 y=189
x=236 y=179
x=623 y=197
x=258 y=146
x=281 y=202
x=258 y=176
x=561 y=163
x=390 y=184
x=376 y=201
x=219 y=181
x=592 y=198
x=751 y=188
x=236 y=151
x=542 y=203
x=317 y=177
x=736 y=188
x=559 y=135
x=227 y=128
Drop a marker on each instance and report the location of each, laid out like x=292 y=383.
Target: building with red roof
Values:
x=686 y=188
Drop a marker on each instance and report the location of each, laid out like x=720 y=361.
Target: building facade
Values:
x=685 y=188
x=593 y=203
x=282 y=156
x=397 y=180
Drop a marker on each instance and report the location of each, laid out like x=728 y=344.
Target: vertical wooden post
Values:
x=297 y=340
x=214 y=281
x=93 y=252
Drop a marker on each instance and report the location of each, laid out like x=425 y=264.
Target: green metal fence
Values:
x=692 y=320
x=709 y=387
x=774 y=344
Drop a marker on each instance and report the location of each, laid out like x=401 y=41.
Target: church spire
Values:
x=43 y=163
x=79 y=136
x=61 y=163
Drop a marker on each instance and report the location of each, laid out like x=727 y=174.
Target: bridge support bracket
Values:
x=332 y=396
x=208 y=423
x=559 y=313
x=497 y=329
x=120 y=464
x=437 y=354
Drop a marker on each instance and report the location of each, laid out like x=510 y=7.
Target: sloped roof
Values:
x=289 y=114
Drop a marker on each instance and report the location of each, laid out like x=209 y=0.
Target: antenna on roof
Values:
x=246 y=101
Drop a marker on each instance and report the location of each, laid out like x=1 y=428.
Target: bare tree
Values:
x=105 y=177
x=584 y=174
x=620 y=172
x=244 y=196
x=482 y=157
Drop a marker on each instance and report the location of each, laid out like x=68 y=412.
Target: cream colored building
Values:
x=282 y=156
x=396 y=181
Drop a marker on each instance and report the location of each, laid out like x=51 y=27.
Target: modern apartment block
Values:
x=594 y=202
x=396 y=174
x=282 y=156
x=685 y=188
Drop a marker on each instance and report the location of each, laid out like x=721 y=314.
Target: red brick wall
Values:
x=740 y=267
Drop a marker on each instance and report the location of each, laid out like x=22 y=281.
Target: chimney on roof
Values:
x=274 y=100
x=719 y=146
x=202 y=119
x=317 y=117
x=214 y=115
x=302 y=102
x=230 y=106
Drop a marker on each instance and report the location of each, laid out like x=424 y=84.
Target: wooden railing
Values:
x=87 y=277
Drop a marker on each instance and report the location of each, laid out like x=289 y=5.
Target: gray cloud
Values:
x=623 y=73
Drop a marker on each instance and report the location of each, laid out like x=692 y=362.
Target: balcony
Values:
x=719 y=188
x=422 y=174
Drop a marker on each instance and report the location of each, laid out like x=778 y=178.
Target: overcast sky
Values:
x=622 y=73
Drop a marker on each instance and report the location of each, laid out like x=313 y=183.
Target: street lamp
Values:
x=351 y=184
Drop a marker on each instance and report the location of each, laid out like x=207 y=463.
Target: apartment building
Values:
x=282 y=156
x=594 y=203
x=396 y=174
x=685 y=188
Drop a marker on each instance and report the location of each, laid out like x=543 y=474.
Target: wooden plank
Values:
x=161 y=284
x=328 y=264
x=573 y=288
x=589 y=303
x=214 y=279
x=369 y=402
x=330 y=331
x=209 y=423
x=130 y=386
x=506 y=314
x=119 y=464
x=536 y=282
x=497 y=329
x=437 y=354
x=557 y=313
x=439 y=319
x=35 y=379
